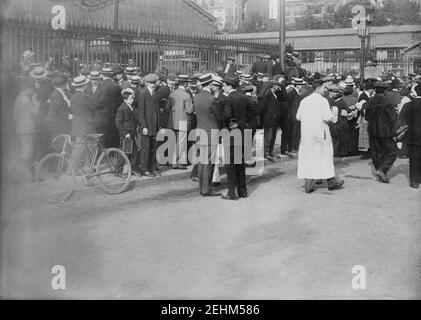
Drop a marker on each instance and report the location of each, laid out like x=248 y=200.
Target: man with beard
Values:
x=381 y=117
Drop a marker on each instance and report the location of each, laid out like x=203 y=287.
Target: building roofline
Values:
x=328 y=32
x=199 y=9
x=412 y=47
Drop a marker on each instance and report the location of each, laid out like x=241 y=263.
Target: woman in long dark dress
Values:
x=353 y=114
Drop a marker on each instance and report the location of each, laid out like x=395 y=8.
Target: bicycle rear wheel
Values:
x=55 y=178
x=113 y=171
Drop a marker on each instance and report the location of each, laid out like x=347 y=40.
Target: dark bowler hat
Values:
x=118 y=70
x=205 y=79
x=232 y=81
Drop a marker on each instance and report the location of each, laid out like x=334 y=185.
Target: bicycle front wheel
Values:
x=55 y=178
x=113 y=171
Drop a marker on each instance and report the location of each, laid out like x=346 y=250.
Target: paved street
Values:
x=162 y=240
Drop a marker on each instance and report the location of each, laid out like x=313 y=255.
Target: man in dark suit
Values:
x=269 y=65
x=148 y=118
x=207 y=122
x=294 y=125
x=269 y=108
x=277 y=67
x=109 y=99
x=381 y=117
x=259 y=66
x=236 y=113
x=229 y=67
x=283 y=114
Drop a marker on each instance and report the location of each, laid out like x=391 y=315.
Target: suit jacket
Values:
x=125 y=120
x=163 y=99
x=277 y=69
x=270 y=109
x=148 y=114
x=294 y=103
x=411 y=115
x=182 y=106
x=83 y=111
x=57 y=119
x=282 y=96
x=258 y=67
x=231 y=69
x=269 y=68
x=206 y=114
x=381 y=117
x=237 y=111
x=252 y=113
x=109 y=99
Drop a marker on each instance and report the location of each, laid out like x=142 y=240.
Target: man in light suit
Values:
x=182 y=108
x=204 y=106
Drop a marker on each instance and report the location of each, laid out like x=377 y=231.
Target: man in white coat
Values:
x=315 y=156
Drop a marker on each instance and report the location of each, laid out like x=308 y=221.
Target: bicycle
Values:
x=55 y=174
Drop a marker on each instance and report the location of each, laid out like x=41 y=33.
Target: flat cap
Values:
x=151 y=78
x=232 y=80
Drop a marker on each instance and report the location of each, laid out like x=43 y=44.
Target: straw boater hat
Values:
x=135 y=79
x=205 y=79
x=247 y=87
x=107 y=71
x=94 y=75
x=80 y=81
x=28 y=54
x=38 y=73
x=298 y=81
x=183 y=78
x=130 y=70
x=246 y=77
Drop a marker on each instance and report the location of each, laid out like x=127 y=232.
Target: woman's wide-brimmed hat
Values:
x=38 y=73
x=80 y=81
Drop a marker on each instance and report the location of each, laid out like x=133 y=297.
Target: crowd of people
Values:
x=321 y=116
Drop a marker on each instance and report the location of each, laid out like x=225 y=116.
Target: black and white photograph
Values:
x=209 y=150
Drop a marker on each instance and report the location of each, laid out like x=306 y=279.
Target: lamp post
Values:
x=282 y=35
x=363 y=34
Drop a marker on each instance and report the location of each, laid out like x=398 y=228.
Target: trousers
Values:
x=383 y=153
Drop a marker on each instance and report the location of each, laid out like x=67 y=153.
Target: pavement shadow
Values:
x=400 y=169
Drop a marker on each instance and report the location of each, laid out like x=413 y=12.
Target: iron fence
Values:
x=150 y=49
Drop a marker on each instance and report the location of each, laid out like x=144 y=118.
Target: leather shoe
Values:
x=251 y=165
x=414 y=185
x=147 y=174
x=227 y=197
x=211 y=194
x=157 y=173
x=216 y=184
x=382 y=176
x=337 y=186
x=195 y=179
x=243 y=195
x=270 y=158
